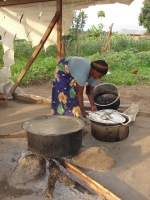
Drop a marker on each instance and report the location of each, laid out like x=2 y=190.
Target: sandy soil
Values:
x=127 y=179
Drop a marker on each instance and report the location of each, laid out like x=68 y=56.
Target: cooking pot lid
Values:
x=53 y=125
x=107 y=116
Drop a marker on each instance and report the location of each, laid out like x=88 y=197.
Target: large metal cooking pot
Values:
x=107 y=131
x=54 y=136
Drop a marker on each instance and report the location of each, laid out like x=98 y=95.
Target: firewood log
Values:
x=97 y=187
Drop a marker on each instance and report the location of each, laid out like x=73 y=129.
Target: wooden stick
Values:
x=97 y=187
x=72 y=183
x=3 y=96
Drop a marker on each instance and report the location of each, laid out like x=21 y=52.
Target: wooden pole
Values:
x=107 y=44
x=59 y=29
x=63 y=49
x=97 y=187
x=36 y=51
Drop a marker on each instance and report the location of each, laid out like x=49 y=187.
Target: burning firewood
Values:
x=54 y=171
x=57 y=174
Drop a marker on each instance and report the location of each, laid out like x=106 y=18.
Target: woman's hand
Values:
x=93 y=108
x=84 y=113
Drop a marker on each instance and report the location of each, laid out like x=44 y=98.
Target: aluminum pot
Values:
x=54 y=136
x=110 y=133
x=107 y=89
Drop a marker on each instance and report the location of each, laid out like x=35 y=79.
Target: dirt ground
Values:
x=128 y=179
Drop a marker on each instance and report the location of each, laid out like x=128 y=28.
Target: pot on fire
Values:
x=54 y=136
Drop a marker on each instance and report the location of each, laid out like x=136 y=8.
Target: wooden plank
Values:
x=33 y=99
x=97 y=187
x=18 y=2
x=36 y=51
x=3 y=96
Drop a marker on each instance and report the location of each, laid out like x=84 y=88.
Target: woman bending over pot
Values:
x=71 y=75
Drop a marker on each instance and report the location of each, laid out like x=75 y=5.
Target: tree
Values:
x=78 y=23
x=97 y=31
x=77 y=26
x=144 y=16
x=94 y=31
x=101 y=14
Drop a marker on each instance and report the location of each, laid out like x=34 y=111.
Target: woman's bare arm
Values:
x=80 y=90
x=90 y=95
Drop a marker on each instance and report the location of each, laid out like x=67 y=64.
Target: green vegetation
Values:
x=42 y=69
x=125 y=55
x=144 y=16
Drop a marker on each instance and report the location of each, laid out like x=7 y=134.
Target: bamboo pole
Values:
x=97 y=187
x=59 y=29
x=36 y=51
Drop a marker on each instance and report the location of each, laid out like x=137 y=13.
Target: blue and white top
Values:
x=79 y=69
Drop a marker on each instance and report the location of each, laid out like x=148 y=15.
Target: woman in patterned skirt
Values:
x=71 y=75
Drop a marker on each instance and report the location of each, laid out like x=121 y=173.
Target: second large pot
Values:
x=109 y=131
x=54 y=136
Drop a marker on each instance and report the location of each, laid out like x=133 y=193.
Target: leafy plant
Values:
x=144 y=17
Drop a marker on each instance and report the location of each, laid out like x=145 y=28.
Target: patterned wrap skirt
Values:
x=64 y=93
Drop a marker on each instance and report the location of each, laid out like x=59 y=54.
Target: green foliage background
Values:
x=144 y=17
x=125 y=54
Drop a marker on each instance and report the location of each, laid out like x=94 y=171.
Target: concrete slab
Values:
x=129 y=178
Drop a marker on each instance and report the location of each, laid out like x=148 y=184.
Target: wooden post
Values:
x=59 y=29
x=107 y=44
x=36 y=51
x=63 y=49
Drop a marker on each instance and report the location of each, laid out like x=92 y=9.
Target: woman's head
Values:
x=99 y=68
